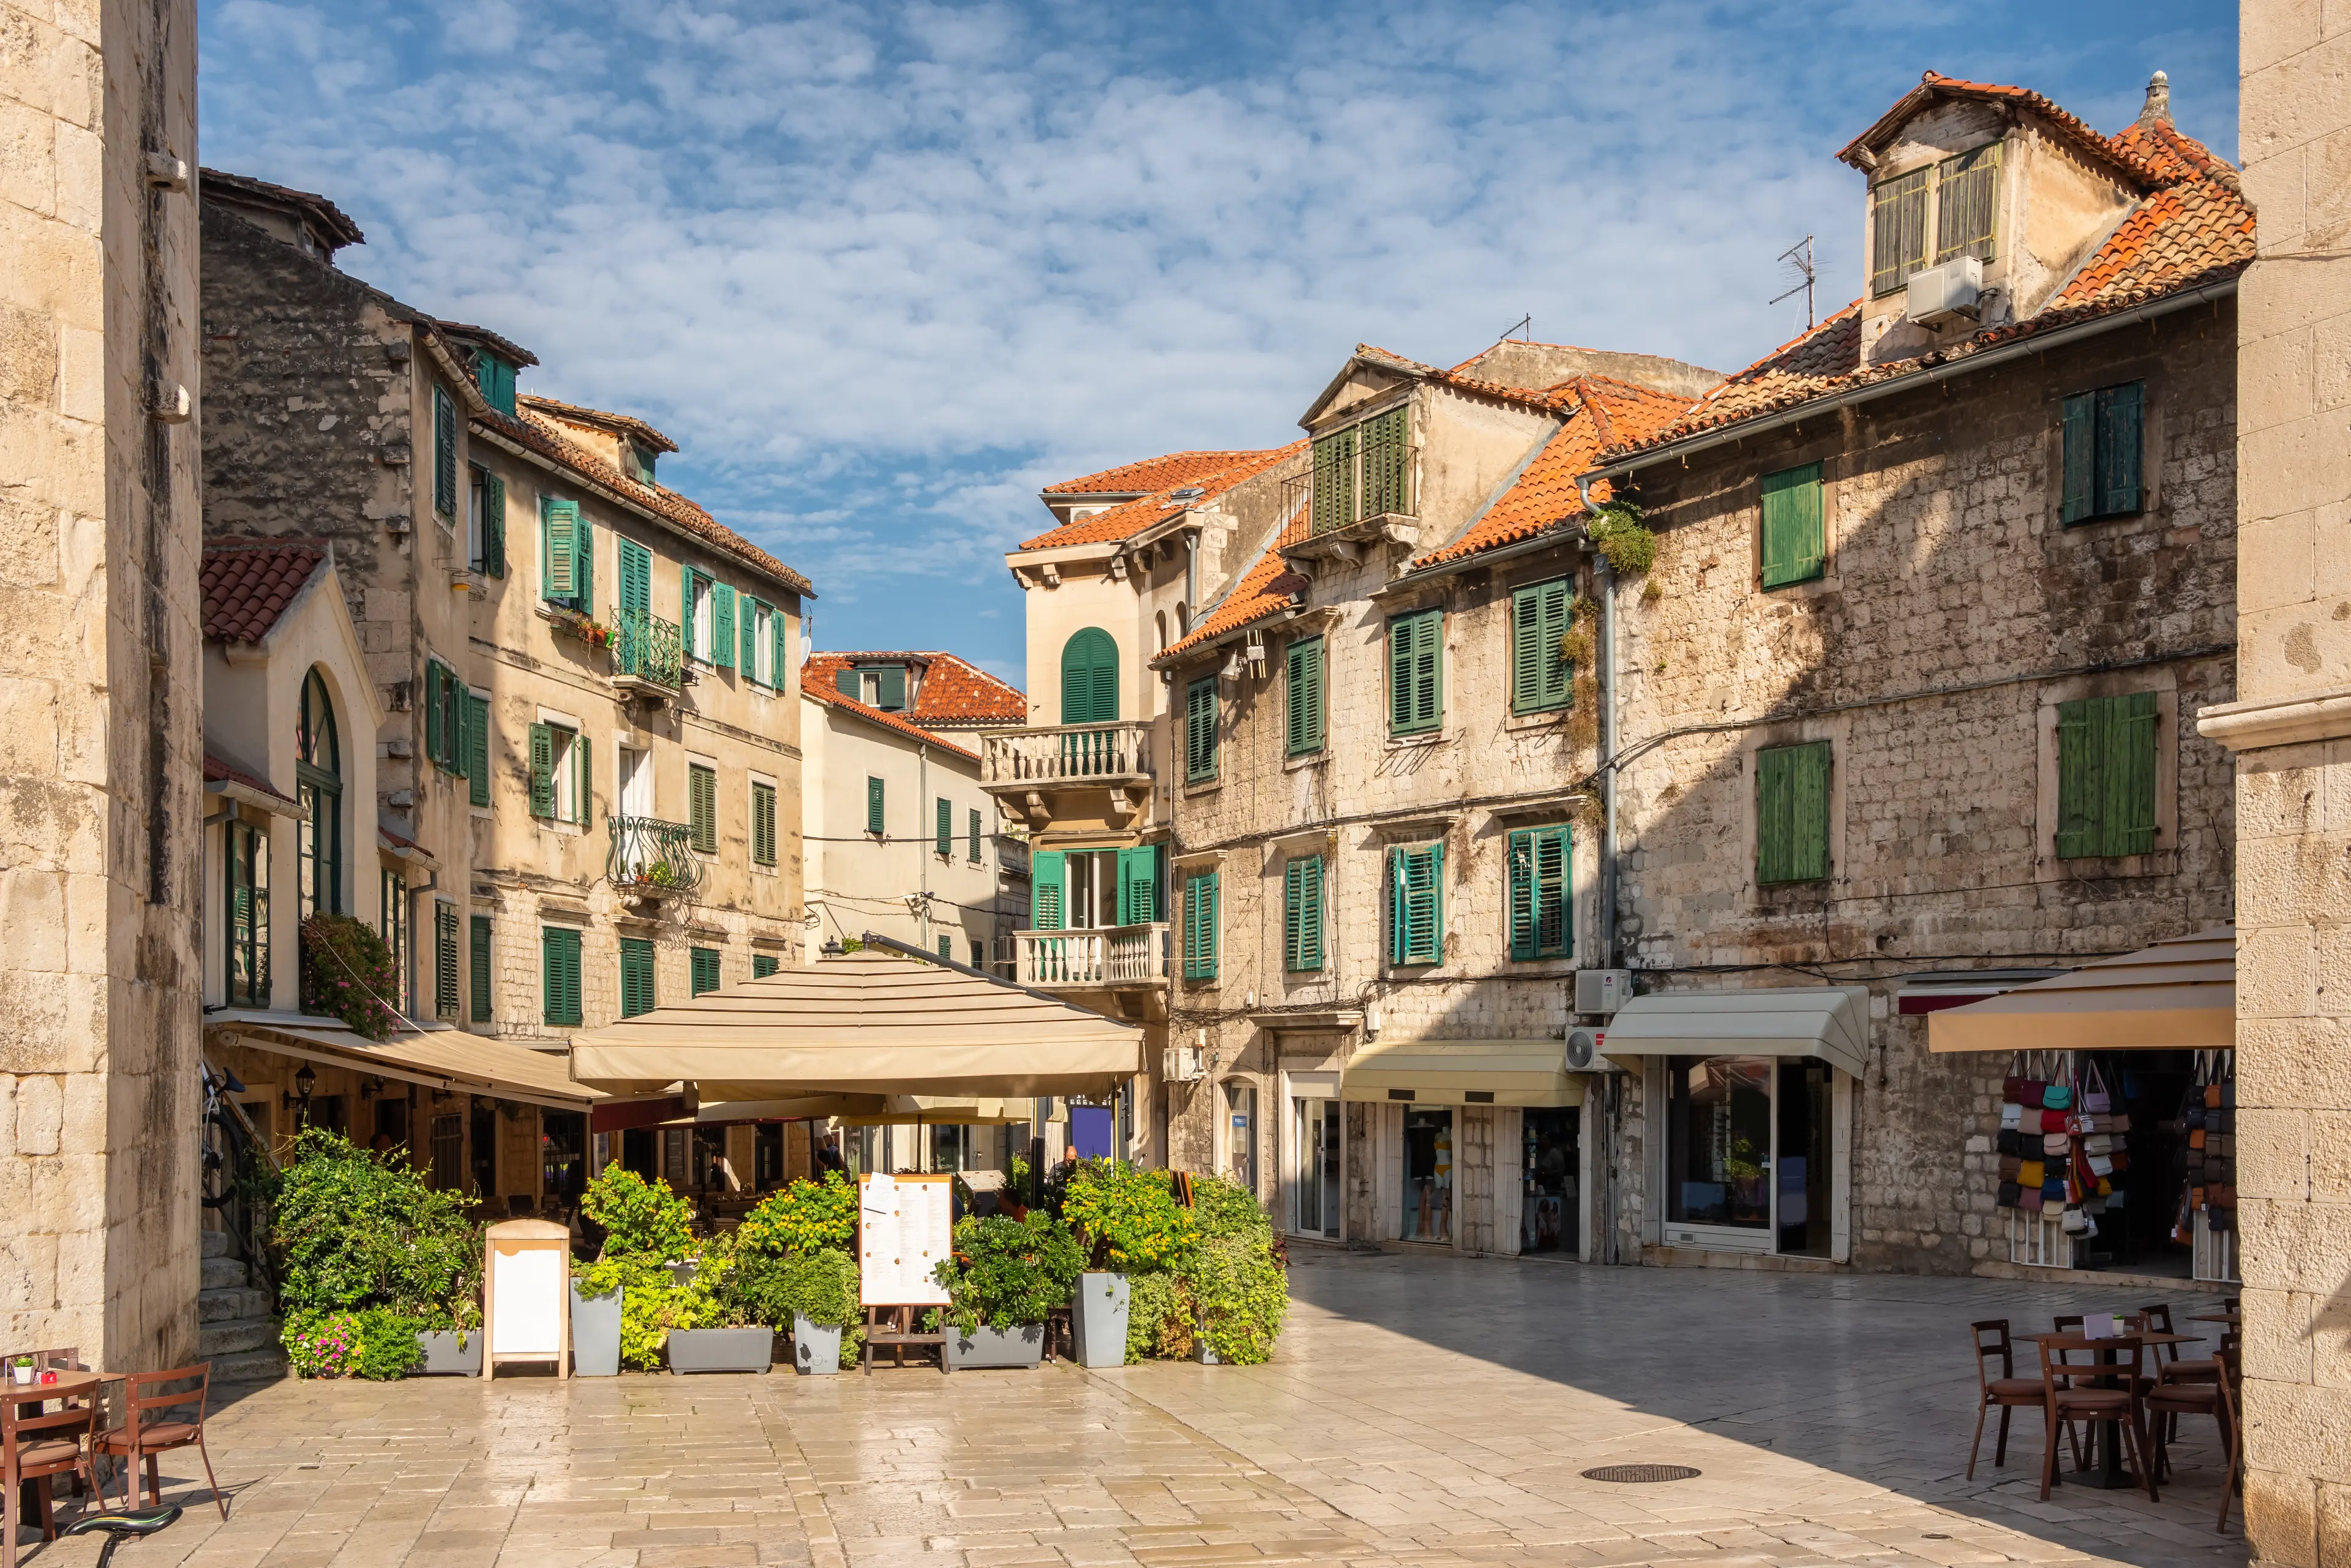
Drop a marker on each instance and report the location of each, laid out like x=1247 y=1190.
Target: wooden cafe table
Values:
x=2107 y=1472
x=28 y=1495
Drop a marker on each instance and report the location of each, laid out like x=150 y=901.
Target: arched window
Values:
x=318 y=778
x=1090 y=678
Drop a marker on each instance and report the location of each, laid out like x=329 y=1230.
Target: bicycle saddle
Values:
x=146 y=1522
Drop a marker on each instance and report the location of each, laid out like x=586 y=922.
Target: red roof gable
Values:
x=1150 y=473
x=246 y=587
x=1131 y=517
x=953 y=694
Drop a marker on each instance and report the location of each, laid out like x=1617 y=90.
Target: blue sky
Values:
x=881 y=270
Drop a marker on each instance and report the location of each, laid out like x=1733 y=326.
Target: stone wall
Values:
x=100 y=682
x=1954 y=614
x=2291 y=728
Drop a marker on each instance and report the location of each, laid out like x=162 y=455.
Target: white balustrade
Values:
x=1067 y=752
x=1114 y=955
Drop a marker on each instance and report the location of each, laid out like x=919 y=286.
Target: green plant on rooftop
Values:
x=1616 y=527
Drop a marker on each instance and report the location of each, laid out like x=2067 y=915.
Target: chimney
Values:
x=2158 y=109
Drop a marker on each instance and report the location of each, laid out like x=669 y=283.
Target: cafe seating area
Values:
x=2114 y=1391
x=62 y=1425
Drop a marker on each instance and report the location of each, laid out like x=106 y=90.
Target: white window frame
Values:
x=704 y=611
x=763 y=669
x=572 y=805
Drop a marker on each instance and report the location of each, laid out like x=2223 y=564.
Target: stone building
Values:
x=1118 y=579
x=580 y=685
x=2290 y=730
x=1381 y=873
x=1907 y=703
x=99 y=694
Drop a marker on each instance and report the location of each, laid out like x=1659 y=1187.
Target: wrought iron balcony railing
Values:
x=652 y=857
x=647 y=648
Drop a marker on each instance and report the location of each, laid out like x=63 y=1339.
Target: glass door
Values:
x=1550 y=1164
x=1429 y=1176
x=1800 y=1166
x=1314 y=1168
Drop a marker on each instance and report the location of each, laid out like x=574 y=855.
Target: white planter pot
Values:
x=816 y=1348
x=1098 y=1315
x=20 y=1376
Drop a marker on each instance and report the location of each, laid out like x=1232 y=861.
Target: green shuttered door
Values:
x=1791 y=813
x=1541 y=925
x=1089 y=678
x=636 y=570
x=1138 y=885
x=1416 y=905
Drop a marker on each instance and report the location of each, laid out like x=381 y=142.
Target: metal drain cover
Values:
x=1641 y=1473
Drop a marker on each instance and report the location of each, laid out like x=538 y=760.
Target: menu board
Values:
x=905 y=1230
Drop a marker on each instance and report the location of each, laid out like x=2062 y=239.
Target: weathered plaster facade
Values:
x=99 y=685
x=2291 y=729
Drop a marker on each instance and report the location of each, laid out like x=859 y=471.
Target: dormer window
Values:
x=495 y=377
x=640 y=461
x=1944 y=210
x=880 y=686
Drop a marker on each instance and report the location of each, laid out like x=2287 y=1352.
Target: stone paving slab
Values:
x=1423 y=1412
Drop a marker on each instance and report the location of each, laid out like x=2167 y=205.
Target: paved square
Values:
x=1424 y=1410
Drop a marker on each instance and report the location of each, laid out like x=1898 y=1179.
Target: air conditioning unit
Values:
x=1583 y=1047
x=1603 y=991
x=1945 y=293
x=1181 y=1064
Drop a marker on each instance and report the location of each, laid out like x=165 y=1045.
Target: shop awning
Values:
x=435 y=1059
x=1463 y=1073
x=1830 y=1022
x=2180 y=995
x=942 y=1111
x=866 y=1023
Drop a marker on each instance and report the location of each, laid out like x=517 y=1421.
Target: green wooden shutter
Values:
x=702 y=808
x=1791 y=813
x=846 y=682
x=1089 y=677
x=975 y=838
x=2079 y=432
x=1794 y=548
x=1387 y=464
x=1334 y=480
x=763 y=823
x=558 y=555
x=1541 y=676
x=2120 y=412
x=1540 y=923
x=2105 y=775
x=480 y=955
x=2132 y=737
x=763 y=965
x=435 y=743
x=1200 y=926
x=542 y=771
x=751 y=609
x=1305 y=714
x=494 y=525
x=1415 y=676
x=477 y=748
x=891 y=694
x=1138 y=885
x=1416 y=905
x=722 y=626
x=1521 y=857
x=559 y=974
x=1200 y=730
x=702 y=969
x=444 y=454
x=584 y=545
x=1302 y=914
x=945 y=826
x=1046 y=868
x=636 y=976
x=875 y=822
x=635 y=567
x=780 y=628
x=445 y=1001
x=584 y=765
x=685 y=578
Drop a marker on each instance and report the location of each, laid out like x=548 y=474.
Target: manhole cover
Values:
x=1641 y=1473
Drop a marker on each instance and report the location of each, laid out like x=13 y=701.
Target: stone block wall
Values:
x=99 y=684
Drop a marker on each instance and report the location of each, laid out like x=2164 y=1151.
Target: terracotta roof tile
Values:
x=217 y=771
x=1149 y=475
x=826 y=695
x=2067 y=124
x=541 y=435
x=2191 y=229
x=1131 y=517
x=1265 y=590
x=247 y=586
x=954 y=694
x=583 y=414
x=1544 y=495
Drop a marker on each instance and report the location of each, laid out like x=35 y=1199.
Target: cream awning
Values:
x=1830 y=1022
x=436 y=1058
x=1449 y=1071
x=2180 y=995
x=866 y=1023
x=943 y=1110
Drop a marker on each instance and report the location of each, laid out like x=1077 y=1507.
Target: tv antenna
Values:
x=1523 y=324
x=1798 y=259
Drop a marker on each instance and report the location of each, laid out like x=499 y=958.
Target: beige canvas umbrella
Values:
x=865 y=1023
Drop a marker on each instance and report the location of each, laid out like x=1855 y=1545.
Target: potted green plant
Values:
x=20 y=1371
x=1004 y=1277
x=622 y=1303
x=1128 y=1221
x=715 y=1327
x=1237 y=1288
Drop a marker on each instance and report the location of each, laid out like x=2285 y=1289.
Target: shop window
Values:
x=2102 y=456
x=1748 y=1149
x=245 y=853
x=1550 y=1162
x=562 y=1154
x=1791 y=813
x=448 y=1169
x=1427 y=1175
x=1795 y=545
x=1240 y=1134
x=2105 y=775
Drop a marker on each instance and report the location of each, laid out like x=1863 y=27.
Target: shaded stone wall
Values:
x=100 y=749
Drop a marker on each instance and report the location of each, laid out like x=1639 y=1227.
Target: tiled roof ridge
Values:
x=627 y=421
x=325 y=210
x=533 y=431
x=2073 y=126
x=1131 y=517
x=246 y=588
x=1084 y=484
x=997 y=699
x=887 y=720
x=1548 y=399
